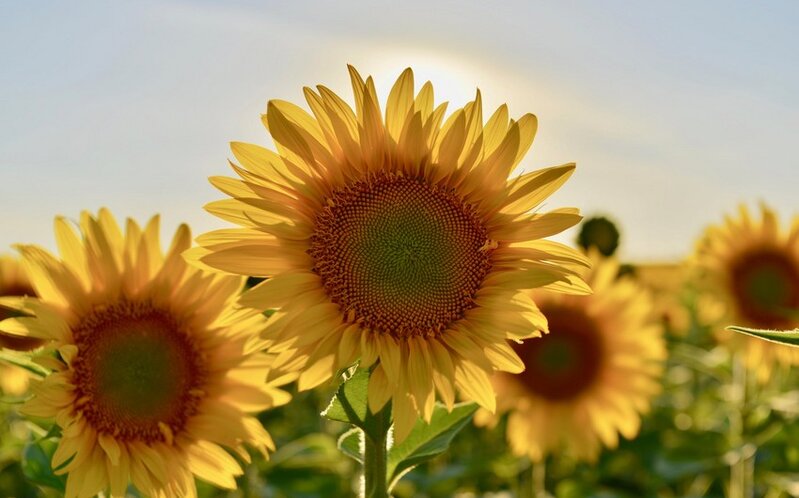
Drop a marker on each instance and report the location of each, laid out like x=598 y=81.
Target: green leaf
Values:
x=350 y=404
x=787 y=337
x=350 y=401
x=53 y=432
x=428 y=440
x=311 y=451
x=23 y=361
x=286 y=472
x=351 y=444
x=36 y=458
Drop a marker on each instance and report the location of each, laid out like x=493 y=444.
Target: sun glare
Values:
x=456 y=79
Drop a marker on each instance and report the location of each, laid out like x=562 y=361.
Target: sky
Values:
x=675 y=112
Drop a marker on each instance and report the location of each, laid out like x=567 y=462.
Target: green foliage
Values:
x=351 y=444
x=36 y=458
x=788 y=337
x=427 y=441
x=684 y=449
x=350 y=401
x=22 y=360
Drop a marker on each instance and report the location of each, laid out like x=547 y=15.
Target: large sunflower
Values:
x=156 y=370
x=13 y=282
x=401 y=241
x=591 y=377
x=749 y=269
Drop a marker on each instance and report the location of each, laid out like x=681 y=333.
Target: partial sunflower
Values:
x=667 y=283
x=600 y=233
x=13 y=282
x=749 y=269
x=592 y=377
x=156 y=368
x=400 y=241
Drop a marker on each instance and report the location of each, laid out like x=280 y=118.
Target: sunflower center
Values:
x=138 y=375
x=766 y=288
x=565 y=362
x=15 y=342
x=399 y=255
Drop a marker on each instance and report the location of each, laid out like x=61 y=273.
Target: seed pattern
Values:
x=399 y=255
x=765 y=285
x=568 y=360
x=138 y=376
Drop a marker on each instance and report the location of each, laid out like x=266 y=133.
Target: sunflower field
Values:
x=393 y=303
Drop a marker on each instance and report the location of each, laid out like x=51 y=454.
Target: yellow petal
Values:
x=71 y=248
x=380 y=390
x=370 y=350
x=495 y=129
x=503 y=357
x=390 y=356
x=212 y=464
x=420 y=377
x=400 y=103
x=536 y=226
x=531 y=189
x=404 y=415
x=280 y=289
x=254 y=260
x=110 y=446
x=320 y=371
x=475 y=384
x=118 y=475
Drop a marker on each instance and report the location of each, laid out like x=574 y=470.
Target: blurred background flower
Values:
x=748 y=271
x=14 y=380
x=590 y=379
x=600 y=234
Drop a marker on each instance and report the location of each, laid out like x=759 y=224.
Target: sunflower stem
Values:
x=539 y=479
x=375 y=455
x=738 y=486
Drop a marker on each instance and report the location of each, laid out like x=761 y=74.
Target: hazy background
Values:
x=674 y=111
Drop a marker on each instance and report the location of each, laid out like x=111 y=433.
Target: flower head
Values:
x=591 y=377
x=156 y=369
x=14 y=380
x=14 y=282
x=599 y=233
x=748 y=270
x=399 y=241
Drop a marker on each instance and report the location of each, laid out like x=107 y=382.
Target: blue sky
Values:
x=674 y=111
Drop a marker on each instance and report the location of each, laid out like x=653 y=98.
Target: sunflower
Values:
x=749 y=269
x=13 y=282
x=667 y=282
x=600 y=233
x=591 y=377
x=156 y=368
x=401 y=242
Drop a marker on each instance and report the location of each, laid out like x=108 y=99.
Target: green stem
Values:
x=375 y=461
x=539 y=479
x=738 y=467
